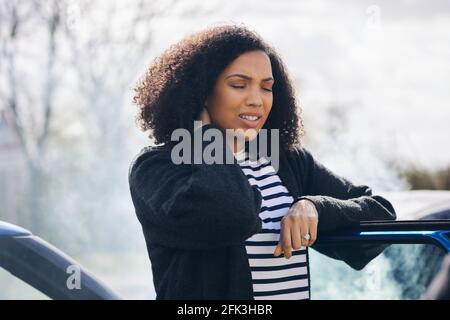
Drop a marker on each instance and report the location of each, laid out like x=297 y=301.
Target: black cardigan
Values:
x=196 y=217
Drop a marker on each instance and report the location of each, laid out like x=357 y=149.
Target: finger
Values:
x=278 y=250
x=206 y=119
x=313 y=233
x=296 y=238
x=304 y=230
x=286 y=241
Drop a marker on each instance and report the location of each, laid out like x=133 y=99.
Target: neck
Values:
x=235 y=144
x=238 y=147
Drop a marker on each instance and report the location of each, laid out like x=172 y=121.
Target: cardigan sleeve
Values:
x=193 y=206
x=339 y=202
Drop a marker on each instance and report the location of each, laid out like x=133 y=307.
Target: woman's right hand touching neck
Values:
x=204 y=118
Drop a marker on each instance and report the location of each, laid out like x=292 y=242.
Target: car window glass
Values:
x=396 y=271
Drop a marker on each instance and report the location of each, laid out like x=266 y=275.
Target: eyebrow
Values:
x=246 y=77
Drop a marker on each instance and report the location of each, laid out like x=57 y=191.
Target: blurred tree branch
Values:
x=39 y=53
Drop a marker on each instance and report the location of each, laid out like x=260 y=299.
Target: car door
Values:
x=45 y=268
x=379 y=260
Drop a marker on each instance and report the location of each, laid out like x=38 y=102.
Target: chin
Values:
x=251 y=134
x=247 y=134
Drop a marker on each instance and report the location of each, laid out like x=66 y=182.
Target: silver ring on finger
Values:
x=306 y=236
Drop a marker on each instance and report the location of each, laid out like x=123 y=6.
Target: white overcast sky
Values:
x=386 y=62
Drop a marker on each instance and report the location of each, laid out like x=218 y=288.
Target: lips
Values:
x=250 y=119
x=250 y=114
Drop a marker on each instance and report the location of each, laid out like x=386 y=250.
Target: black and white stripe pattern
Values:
x=273 y=277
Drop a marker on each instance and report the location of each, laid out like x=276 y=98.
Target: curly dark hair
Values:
x=174 y=89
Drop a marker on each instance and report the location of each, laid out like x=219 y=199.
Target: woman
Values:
x=240 y=230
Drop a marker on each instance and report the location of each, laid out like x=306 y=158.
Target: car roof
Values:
x=7 y=229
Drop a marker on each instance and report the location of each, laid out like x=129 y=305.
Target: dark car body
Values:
x=44 y=267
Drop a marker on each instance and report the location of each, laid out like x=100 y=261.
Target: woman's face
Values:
x=242 y=96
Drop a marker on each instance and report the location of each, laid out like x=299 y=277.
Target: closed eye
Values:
x=242 y=87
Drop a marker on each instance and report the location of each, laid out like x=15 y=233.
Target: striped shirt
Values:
x=273 y=277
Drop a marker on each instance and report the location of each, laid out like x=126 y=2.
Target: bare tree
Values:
x=108 y=57
x=41 y=46
x=32 y=112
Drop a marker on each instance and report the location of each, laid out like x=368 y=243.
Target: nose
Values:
x=254 y=98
